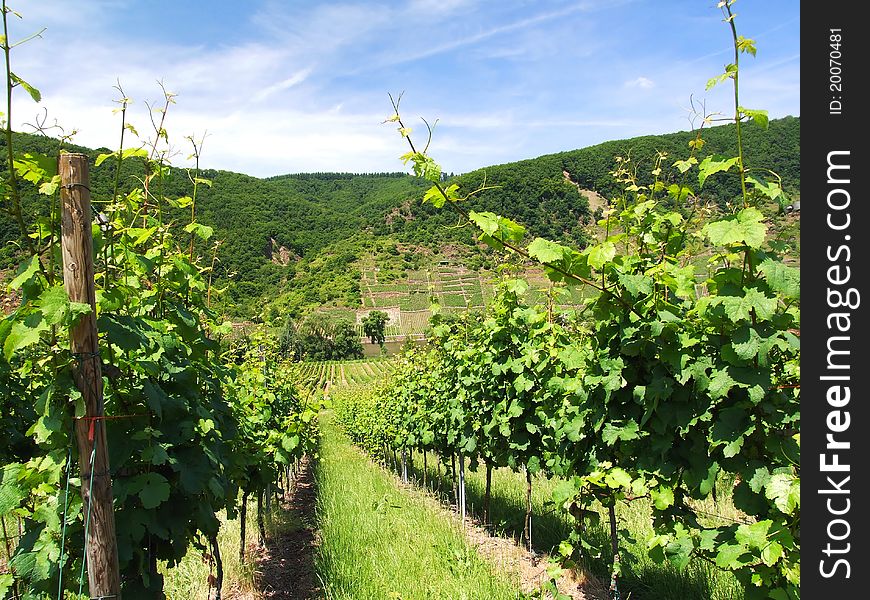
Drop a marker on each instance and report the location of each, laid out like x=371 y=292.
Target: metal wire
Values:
x=63 y=529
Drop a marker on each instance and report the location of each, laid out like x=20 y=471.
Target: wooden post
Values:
x=78 y=279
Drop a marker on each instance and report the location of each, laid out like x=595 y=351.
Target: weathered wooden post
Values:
x=78 y=279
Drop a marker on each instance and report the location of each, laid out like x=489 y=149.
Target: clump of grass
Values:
x=190 y=578
x=382 y=542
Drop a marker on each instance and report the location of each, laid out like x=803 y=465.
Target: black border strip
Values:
x=834 y=255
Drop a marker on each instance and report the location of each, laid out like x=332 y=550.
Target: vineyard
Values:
x=662 y=395
x=318 y=375
x=619 y=420
x=452 y=287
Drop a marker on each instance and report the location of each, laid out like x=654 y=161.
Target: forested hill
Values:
x=535 y=192
x=273 y=229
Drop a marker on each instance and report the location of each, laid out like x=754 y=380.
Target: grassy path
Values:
x=381 y=542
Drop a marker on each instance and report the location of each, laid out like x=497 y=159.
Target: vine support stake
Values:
x=614 y=547
x=78 y=279
x=527 y=532
x=462 y=488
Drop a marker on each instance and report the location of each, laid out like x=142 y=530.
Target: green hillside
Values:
x=292 y=242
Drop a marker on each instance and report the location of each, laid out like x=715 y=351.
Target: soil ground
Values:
x=285 y=567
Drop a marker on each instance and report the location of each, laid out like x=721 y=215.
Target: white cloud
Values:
x=280 y=86
x=641 y=82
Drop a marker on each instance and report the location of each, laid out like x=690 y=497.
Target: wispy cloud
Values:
x=483 y=35
x=282 y=85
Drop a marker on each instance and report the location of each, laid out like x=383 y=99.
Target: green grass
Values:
x=189 y=579
x=642 y=578
x=380 y=542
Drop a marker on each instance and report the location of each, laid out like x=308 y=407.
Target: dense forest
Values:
x=301 y=235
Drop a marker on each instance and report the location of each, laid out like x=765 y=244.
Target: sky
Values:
x=275 y=87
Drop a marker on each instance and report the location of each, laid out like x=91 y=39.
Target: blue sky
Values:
x=290 y=86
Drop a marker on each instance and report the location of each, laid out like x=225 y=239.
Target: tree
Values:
x=374 y=327
x=345 y=342
x=318 y=337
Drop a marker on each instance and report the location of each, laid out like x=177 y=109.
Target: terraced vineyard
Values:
x=316 y=375
x=455 y=288
x=448 y=283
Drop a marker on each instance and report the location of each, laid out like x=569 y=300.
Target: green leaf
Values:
x=131 y=152
x=746 y=228
x=729 y=556
x=714 y=164
x=771 y=553
x=772 y=190
x=784 y=490
x=54 y=304
x=34 y=93
x=516 y=286
x=708 y=539
x=497 y=227
x=571 y=357
x=6 y=583
x=601 y=254
x=617 y=478
x=720 y=384
x=745 y=343
x=183 y=202
x=679 y=192
x=102 y=157
x=523 y=384
x=23 y=335
x=12 y=492
x=746 y=45
x=434 y=195
x=636 y=285
x=662 y=497
x=754 y=535
x=75 y=310
x=759 y=479
x=759 y=117
x=153 y=489
x=290 y=442
x=684 y=165
x=681 y=279
x=424 y=166
x=730 y=70
x=48 y=188
x=781 y=278
x=679 y=550
x=155 y=455
x=202 y=231
x=30 y=271
x=35 y=168
x=546 y=251
x=740 y=308
x=612 y=433
x=563 y=491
